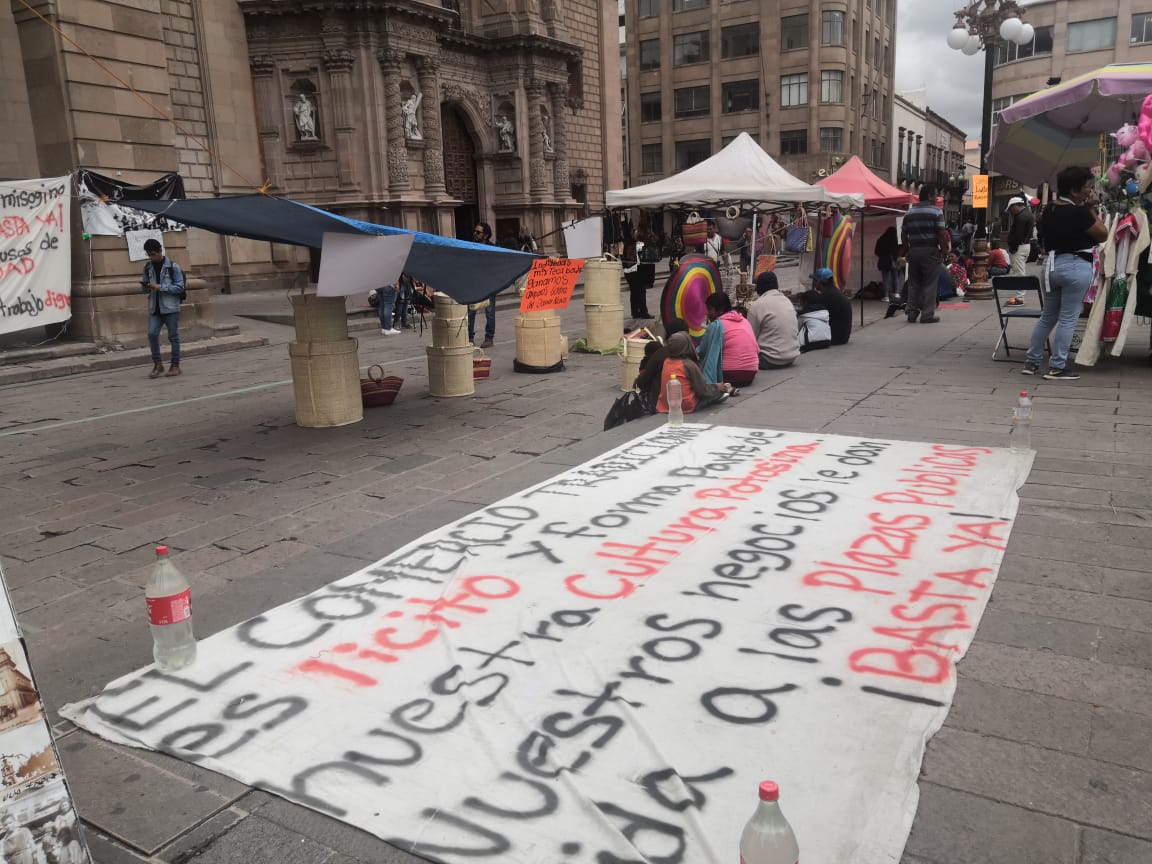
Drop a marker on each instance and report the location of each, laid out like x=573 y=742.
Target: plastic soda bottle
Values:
x=169 y=601
x=1020 y=437
x=675 y=402
x=768 y=838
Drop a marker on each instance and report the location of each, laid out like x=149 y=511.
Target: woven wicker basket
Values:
x=326 y=383
x=450 y=332
x=602 y=282
x=629 y=369
x=319 y=319
x=378 y=389
x=538 y=339
x=481 y=364
x=450 y=371
x=605 y=325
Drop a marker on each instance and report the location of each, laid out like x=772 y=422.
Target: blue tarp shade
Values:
x=466 y=272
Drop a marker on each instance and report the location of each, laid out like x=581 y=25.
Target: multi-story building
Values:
x=929 y=149
x=811 y=81
x=427 y=114
x=1072 y=37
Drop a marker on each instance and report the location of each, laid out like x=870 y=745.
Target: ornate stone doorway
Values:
x=460 y=170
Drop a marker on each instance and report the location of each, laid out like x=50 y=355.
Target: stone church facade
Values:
x=426 y=115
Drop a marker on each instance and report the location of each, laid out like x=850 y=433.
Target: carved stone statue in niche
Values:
x=507 y=133
x=546 y=129
x=305 y=114
x=411 y=109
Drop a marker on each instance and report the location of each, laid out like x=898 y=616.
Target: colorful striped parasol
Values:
x=837 y=255
x=686 y=291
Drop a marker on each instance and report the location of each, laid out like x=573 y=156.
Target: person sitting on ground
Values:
x=957 y=272
x=997 y=261
x=838 y=306
x=738 y=350
x=814 y=331
x=773 y=319
x=652 y=366
x=695 y=391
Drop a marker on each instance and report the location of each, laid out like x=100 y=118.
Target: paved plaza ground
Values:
x=1045 y=757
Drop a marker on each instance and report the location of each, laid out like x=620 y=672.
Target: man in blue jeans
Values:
x=482 y=233
x=163 y=282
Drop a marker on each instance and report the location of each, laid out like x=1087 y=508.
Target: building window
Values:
x=1141 y=28
x=649 y=54
x=876 y=50
x=1000 y=104
x=793 y=32
x=693 y=101
x=651 y=159
x=690 y=48
x=1040 y=45
x=875 y=101
x=650 y=8
x=738 y=96
x=689 y=153
x=832 y=86
x=728 y=139
x=650 y=111
x=886 y=56
x=793 y=142
x=687 y=5
x=793 y=90
x=1092 y=35
x=831 y=28
x=867 y=46
x=742 y=40
x=831 y=139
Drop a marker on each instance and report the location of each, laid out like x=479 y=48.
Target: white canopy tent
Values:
x=740 y=174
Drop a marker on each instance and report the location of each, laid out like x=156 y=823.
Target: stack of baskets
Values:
x=634 y=346
x=450 y=355
x=603 y=312
x=325 y=365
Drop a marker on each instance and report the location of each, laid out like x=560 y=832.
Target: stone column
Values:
x=428 y=69
x=268 y=118
x=559 y=97
x=338 y=62
x=538 y=170
x=390 y=61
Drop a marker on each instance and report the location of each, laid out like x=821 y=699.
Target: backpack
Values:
x=815 y=330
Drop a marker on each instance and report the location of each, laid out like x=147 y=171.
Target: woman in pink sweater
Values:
x=740 y=354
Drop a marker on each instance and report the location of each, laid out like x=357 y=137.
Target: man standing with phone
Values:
x=163 y=282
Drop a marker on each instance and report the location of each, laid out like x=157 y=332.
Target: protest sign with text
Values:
x=35 y=253
x=550 y=284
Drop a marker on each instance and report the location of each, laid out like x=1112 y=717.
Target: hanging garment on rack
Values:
x=1091 y=345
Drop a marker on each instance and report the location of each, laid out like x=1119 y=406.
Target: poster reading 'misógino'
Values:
x=35 y=253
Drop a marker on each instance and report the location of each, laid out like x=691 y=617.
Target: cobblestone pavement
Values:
x=1045 y=757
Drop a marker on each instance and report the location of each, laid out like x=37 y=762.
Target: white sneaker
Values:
x=390 y=332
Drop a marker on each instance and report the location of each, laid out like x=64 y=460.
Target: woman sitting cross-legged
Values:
x=729 y=350
x=695 y=391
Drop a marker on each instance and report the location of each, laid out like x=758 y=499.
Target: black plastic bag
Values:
x=631 y=406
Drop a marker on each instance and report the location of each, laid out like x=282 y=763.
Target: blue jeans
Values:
x=891 y=284
x=1064 y=288
x=171 y=320
x=386 y=300
x=489 y=322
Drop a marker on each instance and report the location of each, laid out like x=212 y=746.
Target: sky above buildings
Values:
x=955 y=83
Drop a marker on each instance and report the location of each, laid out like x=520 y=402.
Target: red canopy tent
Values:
x=879 y=195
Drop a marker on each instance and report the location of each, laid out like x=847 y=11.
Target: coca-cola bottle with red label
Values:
x=170 y=614
x=768 y=838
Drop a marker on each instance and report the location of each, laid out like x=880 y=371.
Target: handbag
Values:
x=764 y=264
x=377 y=389
x=481 y=364
x=630 y=406
x=694 y=233
x=796 y=240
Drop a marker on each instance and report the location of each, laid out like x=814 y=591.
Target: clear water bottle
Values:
x=169 y=601
x=675 y=402
x=1020 y=436
x=768 y=838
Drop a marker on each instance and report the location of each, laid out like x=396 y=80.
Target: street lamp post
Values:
x=983 y=25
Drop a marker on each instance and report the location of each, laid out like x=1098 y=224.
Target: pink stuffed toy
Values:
x=1145 y=125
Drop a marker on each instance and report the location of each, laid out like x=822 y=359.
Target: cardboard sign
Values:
x=137 y=239
x=604 y=666
x=37 y=815
x=35 y=253
x=550 y=284
x=980 y=190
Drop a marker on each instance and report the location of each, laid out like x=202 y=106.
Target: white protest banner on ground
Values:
x=603 y=667
x=37 y=817
x=35 y=253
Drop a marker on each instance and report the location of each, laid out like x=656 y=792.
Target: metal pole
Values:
x=986 y=128
x=861 y=268
x=752 y=265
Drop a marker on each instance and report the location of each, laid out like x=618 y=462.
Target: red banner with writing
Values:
x=550 y=284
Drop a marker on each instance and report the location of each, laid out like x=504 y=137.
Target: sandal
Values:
x=734 y=392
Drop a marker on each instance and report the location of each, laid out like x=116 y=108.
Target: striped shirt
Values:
x=922 y=223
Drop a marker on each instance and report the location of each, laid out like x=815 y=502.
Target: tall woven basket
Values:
x=326 y=382
x=319 y=319
x=602 y=282
x=538 y=344
x=605 y=325
x=450 y=371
